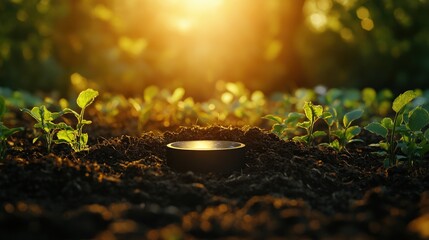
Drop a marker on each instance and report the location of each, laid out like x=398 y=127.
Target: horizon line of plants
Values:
x=405 y=137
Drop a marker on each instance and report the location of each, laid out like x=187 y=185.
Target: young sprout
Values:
x=284 y=128
x=313 y=113
x=392 y=129
x=75 y=137
x=346 y=133
x=45 y=123
x=414 y=143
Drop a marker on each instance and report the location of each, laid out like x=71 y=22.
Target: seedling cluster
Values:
x=331 y=118
x=405 y=132
x=404 y=137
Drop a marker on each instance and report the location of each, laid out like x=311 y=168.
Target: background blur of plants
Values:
x=272 y=45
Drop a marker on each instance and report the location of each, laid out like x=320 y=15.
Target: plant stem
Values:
x=392 y=146
x=80 y=128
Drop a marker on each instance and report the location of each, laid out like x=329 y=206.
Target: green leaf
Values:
x=352 y=132
x=387 y=123
x=329 y=118
x=45 y=113
x=377 y=128
x=402 y=100
x=384 y=145
x=337 y=133
x=335 y=144
x=355 y=140
x=274 y=118
x=35 y=139
x=300 y=138
x=304 y=125
x=319 y=134
x=68 y=136
x=278 y=129
x=34 y=113
x=326 y=115
x=318 y=110
x=293 y=117
x=312 y=112
x=86 y=121
x=352 y=116
x=418 y=118
x=402 y=129
x=83 y=140
x=86 y=97
x=307 y=110
x=6 y=132
x=63 y=126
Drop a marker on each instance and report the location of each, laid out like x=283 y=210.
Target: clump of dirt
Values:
x=122 y=188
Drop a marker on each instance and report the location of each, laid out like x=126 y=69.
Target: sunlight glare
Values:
x=197 y=5
x=186 y=14
x=183 y=24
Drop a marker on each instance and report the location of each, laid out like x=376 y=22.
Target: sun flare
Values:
x=196 y=5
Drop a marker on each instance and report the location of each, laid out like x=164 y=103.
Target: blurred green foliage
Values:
x=27 y=47
x=367 y=43
x=126 y=45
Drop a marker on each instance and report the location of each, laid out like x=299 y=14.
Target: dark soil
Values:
x=122 y=189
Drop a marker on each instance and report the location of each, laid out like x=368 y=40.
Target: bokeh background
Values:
x=271 y=45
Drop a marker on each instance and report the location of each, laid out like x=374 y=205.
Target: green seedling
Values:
x=313 y=113
x=285 y=128
x=75 y=137
x=392 y=129
x=414 y=143
x=45 y=123
x=346 y=133
x=330 y=117
x=5 y=132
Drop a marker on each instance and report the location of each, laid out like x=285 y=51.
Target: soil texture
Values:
x=122 y=188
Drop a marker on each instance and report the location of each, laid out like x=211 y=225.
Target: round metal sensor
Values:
x=205 y=156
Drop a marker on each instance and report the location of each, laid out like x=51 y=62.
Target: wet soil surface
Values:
x=122 y=188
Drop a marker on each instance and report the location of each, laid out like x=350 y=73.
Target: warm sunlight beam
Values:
x=196 y=5
x=185 y=14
